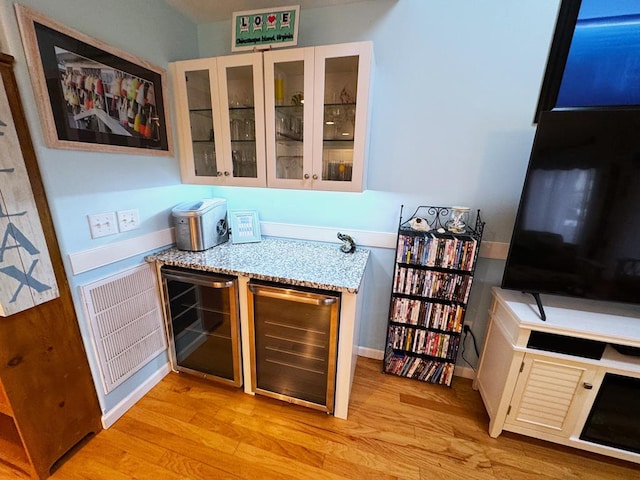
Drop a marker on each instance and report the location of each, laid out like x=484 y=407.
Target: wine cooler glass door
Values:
x=294 y=342
x=203 y=324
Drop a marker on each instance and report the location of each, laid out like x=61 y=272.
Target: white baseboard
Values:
x=110 y=417
x=370 y=353
x=464 y=372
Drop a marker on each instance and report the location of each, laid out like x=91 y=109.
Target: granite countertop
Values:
x=295 y=262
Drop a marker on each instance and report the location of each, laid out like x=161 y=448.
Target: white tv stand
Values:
x=529 y=388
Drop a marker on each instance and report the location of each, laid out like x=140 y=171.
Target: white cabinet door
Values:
x=301 y=122
x=340 y=110
x=220 y=112
x=550 y=394
x=242 y=119
x=316 y=102
x=197 y=111
x=288 y=83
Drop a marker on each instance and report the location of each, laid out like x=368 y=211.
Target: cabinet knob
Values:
x=219 y=174
x=306 y=176
x=587 y=386
x=315 y=177
x=226 y=174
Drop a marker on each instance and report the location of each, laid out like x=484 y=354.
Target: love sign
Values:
x=265 y=29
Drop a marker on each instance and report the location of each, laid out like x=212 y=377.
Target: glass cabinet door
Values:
x=301 y=122
x=197 y=107
x=288 y=76
x=242 y=119
x=203 y=324
x=201 y=122
x=341 y=95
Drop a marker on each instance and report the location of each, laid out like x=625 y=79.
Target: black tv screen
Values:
x=577 y=230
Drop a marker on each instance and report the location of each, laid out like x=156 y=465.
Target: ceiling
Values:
x=206 y=11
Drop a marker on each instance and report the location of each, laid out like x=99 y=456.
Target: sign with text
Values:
x=265 y=29
x=27 y=278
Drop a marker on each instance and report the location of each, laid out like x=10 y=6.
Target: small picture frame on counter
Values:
x=245 y=226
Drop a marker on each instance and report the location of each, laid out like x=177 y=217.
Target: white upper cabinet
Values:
x=341 y=115
x=288 y=81
x=294 y=118
x=198 y=115
x=220 y=112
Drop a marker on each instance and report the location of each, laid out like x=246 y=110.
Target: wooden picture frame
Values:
x=90 y=95
x=245 y=226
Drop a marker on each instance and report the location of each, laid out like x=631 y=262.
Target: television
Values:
x=577 y=229
x=594 y=56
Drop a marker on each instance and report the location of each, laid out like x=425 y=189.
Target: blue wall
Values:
x=455 y=88
x=82 y=183
x=454 y=93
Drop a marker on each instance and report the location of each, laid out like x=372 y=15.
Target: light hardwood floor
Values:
x=187 y=428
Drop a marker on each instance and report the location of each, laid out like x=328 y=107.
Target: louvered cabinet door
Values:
x=549 y=394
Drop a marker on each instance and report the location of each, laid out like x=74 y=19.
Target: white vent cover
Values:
x=127 y=326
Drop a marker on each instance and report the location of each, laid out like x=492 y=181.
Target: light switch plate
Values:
x=128 y=219
x=102 y=224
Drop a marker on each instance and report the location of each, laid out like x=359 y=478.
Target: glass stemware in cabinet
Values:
x=340 y=83
x=242 y=121
x=201 y=122
x=289 y=118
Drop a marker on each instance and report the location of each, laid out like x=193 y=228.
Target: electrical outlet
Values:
x=102 y=224
x=128 y=220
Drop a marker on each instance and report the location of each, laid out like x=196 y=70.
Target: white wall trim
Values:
x=464 y=372
x=104 y=255
x=365 y=238
x=100 y=256
x=328 y=234
x=110 y=417
x=495 y=250
x=370 y=353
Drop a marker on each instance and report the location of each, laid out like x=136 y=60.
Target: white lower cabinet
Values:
x=573 y=379
x=549 y=395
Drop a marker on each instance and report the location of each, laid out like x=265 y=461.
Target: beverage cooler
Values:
x=294 y=343
x=203 y=324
